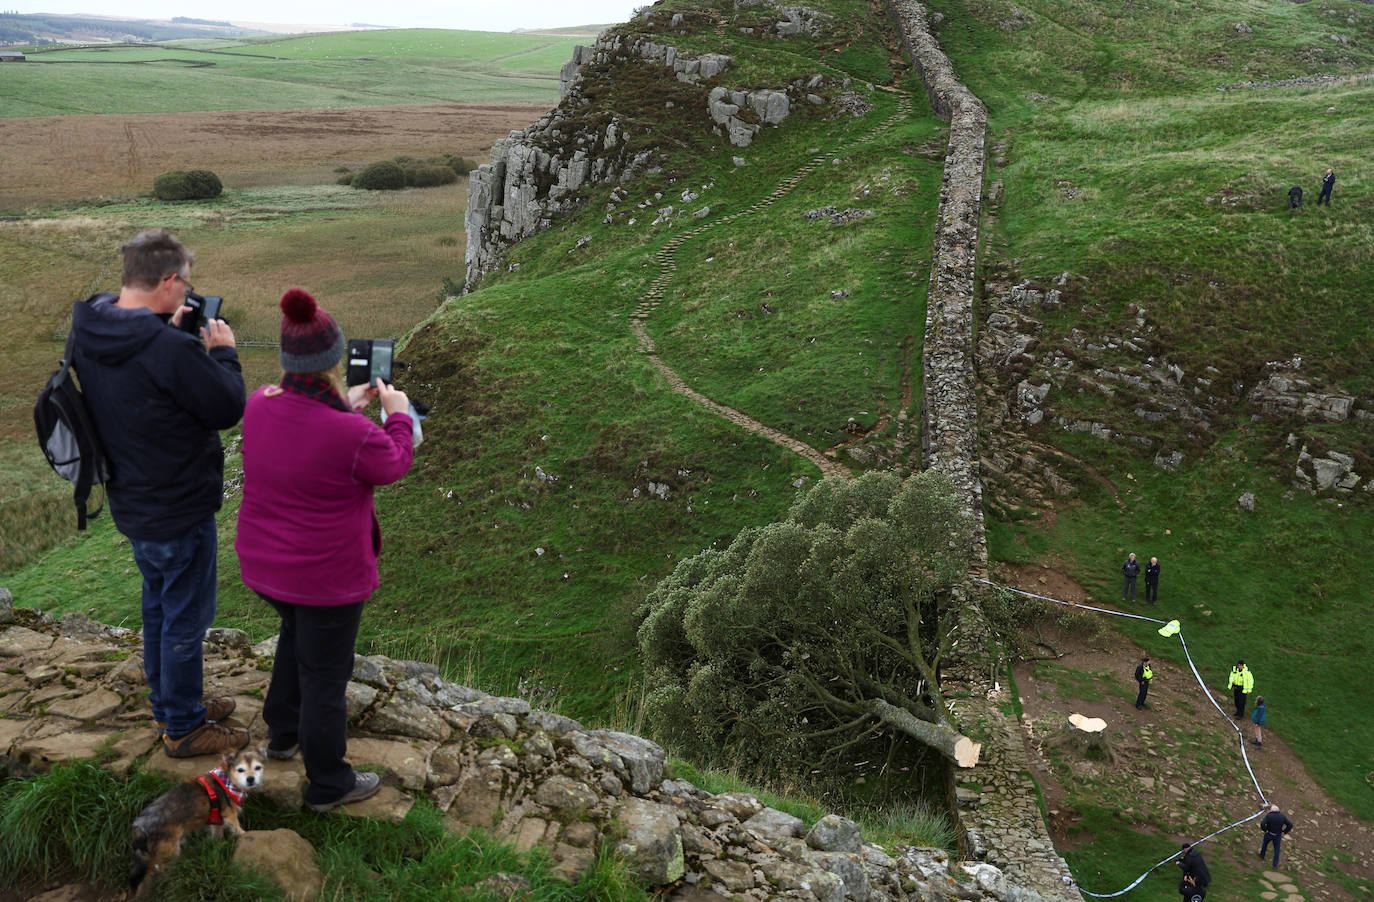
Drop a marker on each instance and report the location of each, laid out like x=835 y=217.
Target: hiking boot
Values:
x=365 y=786
x=215 y=709
x=206 y=739
x=283 y=753
x=219 y=708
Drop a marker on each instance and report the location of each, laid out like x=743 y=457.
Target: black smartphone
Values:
x=369 y=359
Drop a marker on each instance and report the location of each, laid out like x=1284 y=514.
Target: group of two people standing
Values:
x=308 y=536
x=1131 y=569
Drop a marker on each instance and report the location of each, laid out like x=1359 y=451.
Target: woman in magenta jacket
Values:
x=308 y=537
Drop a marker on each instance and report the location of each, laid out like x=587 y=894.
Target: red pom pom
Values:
x=298 y=305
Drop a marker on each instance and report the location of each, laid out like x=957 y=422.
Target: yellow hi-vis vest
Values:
x=1242 y=678
x=1148 y=673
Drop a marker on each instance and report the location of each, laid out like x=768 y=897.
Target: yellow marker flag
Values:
x=1169 y=629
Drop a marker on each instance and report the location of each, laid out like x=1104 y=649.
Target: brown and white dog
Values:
x=212 y=800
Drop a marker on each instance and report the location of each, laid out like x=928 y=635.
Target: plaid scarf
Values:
x=314 y=387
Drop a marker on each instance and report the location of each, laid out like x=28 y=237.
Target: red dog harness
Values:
x=219 y=778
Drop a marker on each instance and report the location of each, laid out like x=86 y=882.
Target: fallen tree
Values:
x=813 y=644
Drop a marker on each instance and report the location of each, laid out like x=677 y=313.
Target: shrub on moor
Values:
x=382 y=176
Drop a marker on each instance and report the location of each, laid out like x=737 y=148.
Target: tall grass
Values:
x=74 y=821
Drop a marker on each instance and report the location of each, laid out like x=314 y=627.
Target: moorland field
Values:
x=1115 y=129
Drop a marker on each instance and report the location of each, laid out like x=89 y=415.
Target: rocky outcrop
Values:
x=538 y=173
x=532 y=778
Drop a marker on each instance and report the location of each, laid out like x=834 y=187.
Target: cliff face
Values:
x=74 y=689
x=538 y=173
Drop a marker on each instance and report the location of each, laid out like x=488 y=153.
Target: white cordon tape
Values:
x=1264 y=802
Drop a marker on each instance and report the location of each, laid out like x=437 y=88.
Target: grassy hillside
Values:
x=529 y=583
x=342 y=69
x=519 y=548
x=1133 y=160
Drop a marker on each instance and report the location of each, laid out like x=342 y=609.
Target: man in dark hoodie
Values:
x=158 y=400
x=1193 y=866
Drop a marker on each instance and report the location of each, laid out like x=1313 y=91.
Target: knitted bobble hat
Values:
x=311 y=342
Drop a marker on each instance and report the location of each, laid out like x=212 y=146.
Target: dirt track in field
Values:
x=65 y=158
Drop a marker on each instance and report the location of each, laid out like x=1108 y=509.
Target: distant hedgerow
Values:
x=195 y=184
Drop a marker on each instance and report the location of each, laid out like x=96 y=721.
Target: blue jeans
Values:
x=1277 y=838
x=178 y=607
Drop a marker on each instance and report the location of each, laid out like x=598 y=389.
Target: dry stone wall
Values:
x=74 y=689
x=1002 y=819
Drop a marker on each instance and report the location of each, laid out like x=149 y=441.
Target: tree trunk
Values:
x=953 y=745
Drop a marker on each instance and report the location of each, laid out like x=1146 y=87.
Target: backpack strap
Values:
x=94 y=467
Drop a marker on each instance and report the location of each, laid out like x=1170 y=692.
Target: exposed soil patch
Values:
x=1178 y=772
x=64 y=158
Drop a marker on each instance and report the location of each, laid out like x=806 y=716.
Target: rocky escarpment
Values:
x=540 y=172
x=1028 y=375
x=74 y=689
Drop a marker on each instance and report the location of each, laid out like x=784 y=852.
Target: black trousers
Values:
x=1151 y=591
x=305 y=701
x=1240 y=701
x=1128 y=589
x=1144 y=691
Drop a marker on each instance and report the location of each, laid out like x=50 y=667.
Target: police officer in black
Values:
x=1143 y=675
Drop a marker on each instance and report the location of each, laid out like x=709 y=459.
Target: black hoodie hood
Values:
x=110 y=334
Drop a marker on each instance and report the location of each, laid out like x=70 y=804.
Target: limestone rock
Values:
x=18 y=641
x=407 y=761
x=229 y=638
x=389 y=804
x=735 y=876
x=408 y=719
x=643 y=760
x=358 y=697
x=477 y=802
x=771 y=825
x=6 y=606
x=286 y=857
x=833 y=833
x=94 y=705
x=565 y=794
x=653 y=842
x=553 y=724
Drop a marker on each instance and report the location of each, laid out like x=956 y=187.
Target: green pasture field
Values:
x=343 y=69
x=1125 y=163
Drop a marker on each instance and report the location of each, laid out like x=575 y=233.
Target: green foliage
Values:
x=458 y=164
x=424 y=175
x=384 y=175
x=769 y=650
x=74 y=818
x=194 y=184
x=345 y=179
